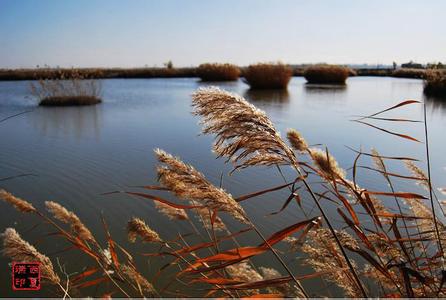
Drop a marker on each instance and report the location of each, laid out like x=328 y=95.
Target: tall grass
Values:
x=67 y=90
x=330 y=74
x=409 y=73
x=268 y=76
x=218 y=72
x=376 y=243
x=435 y=83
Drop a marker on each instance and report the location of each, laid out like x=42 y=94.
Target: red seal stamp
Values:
x=26 y=276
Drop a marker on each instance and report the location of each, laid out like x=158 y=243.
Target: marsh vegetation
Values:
x=268 y=76
x=327 y=74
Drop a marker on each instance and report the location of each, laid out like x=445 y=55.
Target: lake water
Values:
x=78 y=153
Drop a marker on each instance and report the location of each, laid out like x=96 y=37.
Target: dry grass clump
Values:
x=409 y=73
x=71 y=89
x=268 y=76
x=218 y=72
x=435 y=83
x=331 y=74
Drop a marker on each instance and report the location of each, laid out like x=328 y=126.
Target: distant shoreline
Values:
x=133 y=73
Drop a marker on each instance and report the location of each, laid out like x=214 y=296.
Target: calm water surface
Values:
x=78 y=153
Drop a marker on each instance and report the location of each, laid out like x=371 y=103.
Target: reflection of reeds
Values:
x=268 y=76
x=218 y=72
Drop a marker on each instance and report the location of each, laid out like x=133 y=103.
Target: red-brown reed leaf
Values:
x=277 y=296
x=406 y=102
x=111 y=245
x=156 y=198
x=397 y=194
x=392 y=174
x=92 y=282
x=383 y=156
x=404 y=136
x=86 y=273
x=357 y=230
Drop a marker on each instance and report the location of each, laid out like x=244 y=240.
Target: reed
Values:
x=435 y=83
x=367 y=246
x=70 y=89
x=409 y=73
x=327 y=74
x=218 y=72
x=268 y=76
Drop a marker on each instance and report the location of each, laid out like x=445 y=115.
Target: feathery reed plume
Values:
x=324 y=255
x=188 y=183
x=68 y=217
x=19 y=204
x=143 y=284
x=244 y=272
x=18 y=249
x=326 y=163
x=296 y=140
x=171 y=212
x=417 y=172
x=287 y=289
x=137 y=227
x=205 y=219
x=243 y=132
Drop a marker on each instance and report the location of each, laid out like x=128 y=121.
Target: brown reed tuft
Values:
x=243 y=133
x=20 y=250
x=19 y=204
x=326 y=74
x=268 y=76
x=137 y=227
x=288 y=290
x=409 y=73
x=171 y=212
x=62 y=214
x=188 y=183
x=435 y=83
x=67 y=89
x=296 y=140
x=218 y=72
x=326 y=163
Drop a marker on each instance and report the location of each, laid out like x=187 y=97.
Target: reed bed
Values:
x=268 y=76
x=435 y=83
x=377 y=243
x=218 y=72
x=68 y=90
x=327 y=74
x=409 y=73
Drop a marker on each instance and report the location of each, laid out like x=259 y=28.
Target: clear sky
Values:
x=132 y=33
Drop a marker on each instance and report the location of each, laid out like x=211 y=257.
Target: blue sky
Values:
x=132 y=33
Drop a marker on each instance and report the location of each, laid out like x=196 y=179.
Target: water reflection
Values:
x=78 y=122
x=435 y=102
x=325 y=88
x=272 y=96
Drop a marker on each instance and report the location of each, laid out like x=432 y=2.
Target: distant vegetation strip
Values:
x=51 y=73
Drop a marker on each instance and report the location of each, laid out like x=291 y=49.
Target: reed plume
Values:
x=137 y=227
x=20 y=250
x=243 y=133
x=324 y=255
x=132 y=275
x=68 y=217
x=326 y=163
x=171 y=212
x=19 y=204
x=245 y=273
x=205 y=218
x=419 y=173
x=296 y=140
x=188 y=183
x=288 y=290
